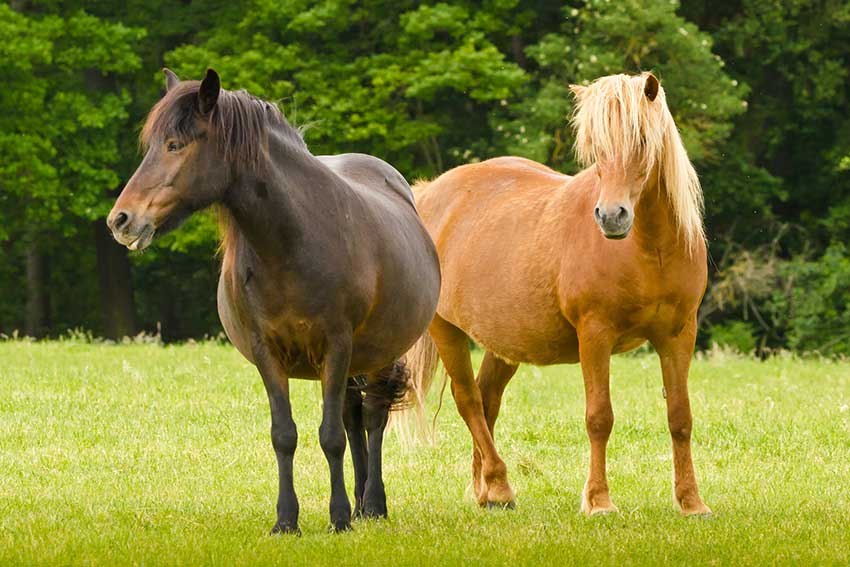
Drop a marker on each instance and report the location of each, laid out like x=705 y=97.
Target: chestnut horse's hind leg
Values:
x=453 y=346
x=284 y=440
x=675 y=354
x=595 y=354
x=493 y=377
x=332 y=431
x=355 y=429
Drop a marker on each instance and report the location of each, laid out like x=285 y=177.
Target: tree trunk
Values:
x=117 y=306
x=37 y=320
x=518 y=48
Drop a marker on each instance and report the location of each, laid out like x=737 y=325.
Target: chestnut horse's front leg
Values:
x=284 y=439
x=675 y=354
x=595 y=346
x=334 y=378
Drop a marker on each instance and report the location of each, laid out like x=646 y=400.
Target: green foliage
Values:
x=814 y=305
x=60 y=123
x=400 y=82
x=760 y=91
x=737 y=335
x=602 y=38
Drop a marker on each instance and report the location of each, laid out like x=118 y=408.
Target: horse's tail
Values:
x=387 y=391
x=421 y=361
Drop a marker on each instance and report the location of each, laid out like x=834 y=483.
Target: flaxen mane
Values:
x=614 y=119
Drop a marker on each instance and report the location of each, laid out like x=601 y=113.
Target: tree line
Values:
x=758 y=89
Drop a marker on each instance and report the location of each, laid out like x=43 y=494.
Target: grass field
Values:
x=143 y=454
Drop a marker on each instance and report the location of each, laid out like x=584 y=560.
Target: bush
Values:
x=737 y=335
x=813 y=305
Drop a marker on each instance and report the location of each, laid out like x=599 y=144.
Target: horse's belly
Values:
x=541 y=340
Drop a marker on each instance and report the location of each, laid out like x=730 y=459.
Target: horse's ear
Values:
x=171 y=79
x=578 y=90
x=208 y=92
x=650 y=87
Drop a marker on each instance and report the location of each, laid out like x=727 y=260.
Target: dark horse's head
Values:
x=195 y=140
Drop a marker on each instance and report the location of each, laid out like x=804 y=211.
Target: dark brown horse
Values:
x=327 y=270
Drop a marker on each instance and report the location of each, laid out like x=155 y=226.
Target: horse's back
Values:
x=493 y=224
x=369 y=173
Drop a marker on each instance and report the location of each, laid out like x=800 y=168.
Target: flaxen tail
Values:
x=411 y=423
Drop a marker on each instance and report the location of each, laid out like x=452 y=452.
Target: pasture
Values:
x=143 y=454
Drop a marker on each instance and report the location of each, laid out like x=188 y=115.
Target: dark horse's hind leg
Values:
x=284 y=441
x=384 y=389
x=352 y=417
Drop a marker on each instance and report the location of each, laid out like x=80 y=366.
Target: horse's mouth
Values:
x=143 y=240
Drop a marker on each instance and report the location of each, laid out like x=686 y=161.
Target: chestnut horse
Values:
x=327 y=270
x=545 y=268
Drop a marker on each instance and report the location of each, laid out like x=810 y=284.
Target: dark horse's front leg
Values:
x=352 y=417
x=284 y=440
x=332 y=431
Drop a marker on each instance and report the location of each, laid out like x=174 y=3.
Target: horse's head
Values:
x=620 y=126
x=182 y=170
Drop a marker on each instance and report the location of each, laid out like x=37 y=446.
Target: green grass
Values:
x=148 y=455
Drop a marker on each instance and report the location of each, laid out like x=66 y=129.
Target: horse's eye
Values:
x=174 y=146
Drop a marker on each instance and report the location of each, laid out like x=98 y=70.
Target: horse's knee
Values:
x=680 y=430
x=332 y=439
x=599 y=423
x=284 y=438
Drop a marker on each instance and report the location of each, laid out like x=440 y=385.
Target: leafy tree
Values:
x=392 y=78
x=58 y=134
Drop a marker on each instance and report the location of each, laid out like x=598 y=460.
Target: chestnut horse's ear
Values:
x=650 y=87
x=171 y=79
x=578 y=90
x=208 y=92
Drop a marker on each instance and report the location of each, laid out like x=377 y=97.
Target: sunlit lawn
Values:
x=142 y=454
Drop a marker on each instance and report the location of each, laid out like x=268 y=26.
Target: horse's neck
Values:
x=655 y=228
x=274 y=209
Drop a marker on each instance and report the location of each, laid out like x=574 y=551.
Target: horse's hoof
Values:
x=602 y=511
x=509 y=505
x=285 y=528
x=375 y=513
x=340 y=526
x=702 y=511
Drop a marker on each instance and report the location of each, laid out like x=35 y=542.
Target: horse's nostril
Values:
x=120 y=220
x=622 y=214
x=597 y=213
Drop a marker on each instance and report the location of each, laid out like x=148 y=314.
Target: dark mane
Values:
x=239 y=122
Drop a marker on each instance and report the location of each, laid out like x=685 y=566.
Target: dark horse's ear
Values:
x=650 y=87
x=208 y=93
x=171 y=79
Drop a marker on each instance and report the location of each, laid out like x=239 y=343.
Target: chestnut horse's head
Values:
x=625 y=130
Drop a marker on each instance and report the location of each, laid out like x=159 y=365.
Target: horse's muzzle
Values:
x=615 y=222
x=130 y=231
